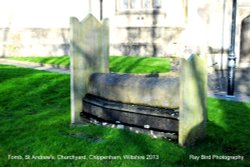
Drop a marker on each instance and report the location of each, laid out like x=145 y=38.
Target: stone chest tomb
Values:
x=161 y=103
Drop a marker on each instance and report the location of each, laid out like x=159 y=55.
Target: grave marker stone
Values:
x=193 y=93
x=89 y=54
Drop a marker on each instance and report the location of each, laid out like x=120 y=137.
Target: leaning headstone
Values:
x=89 y=54
x=193 y=93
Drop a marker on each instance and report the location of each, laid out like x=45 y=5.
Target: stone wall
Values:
x=144 y=41
x=34 y=42
x=145 y=32
x=245 y=40
x=243 y=24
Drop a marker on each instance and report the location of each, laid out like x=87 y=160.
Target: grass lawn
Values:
x=62 y=60
x=135 y=64
x=121 y=64
x=35 y=120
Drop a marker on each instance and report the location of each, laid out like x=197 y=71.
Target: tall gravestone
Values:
x=89 y=54
x=193 y=93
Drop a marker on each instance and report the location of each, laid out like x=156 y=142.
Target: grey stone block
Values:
x=135 y=89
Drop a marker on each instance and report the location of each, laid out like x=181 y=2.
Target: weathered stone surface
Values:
x=134 y=89
x=245 y=41
x=133 y=115
x=89 y=54
x=193 y=93
x=30 y=42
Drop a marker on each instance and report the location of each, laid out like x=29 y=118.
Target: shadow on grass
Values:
x=56 y=61
x=10 y=72
x=236 y=117
x=132 y=64
x=227 y=135
x=35 y=120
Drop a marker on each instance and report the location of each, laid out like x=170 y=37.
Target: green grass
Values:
x=136 y=64
x=62 y=60
x=35 y=120
x=119 y=64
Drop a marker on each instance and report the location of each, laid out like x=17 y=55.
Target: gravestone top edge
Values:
x=85 y=19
